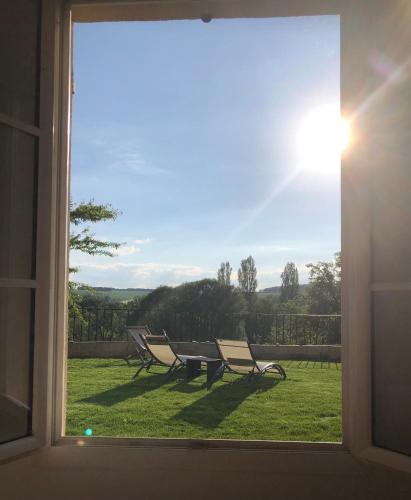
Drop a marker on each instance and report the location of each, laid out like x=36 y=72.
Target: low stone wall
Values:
x=120 y=349
x=298 y=352
x=116 y=349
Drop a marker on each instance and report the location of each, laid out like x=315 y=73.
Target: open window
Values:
x=375 y=214
x=218 y=145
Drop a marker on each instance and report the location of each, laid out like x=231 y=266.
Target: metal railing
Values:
x=96 y=324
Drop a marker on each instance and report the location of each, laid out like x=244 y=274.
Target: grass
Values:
x=305 y=407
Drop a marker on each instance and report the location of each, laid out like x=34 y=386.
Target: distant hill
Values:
x=111 y=289
x=276 y=290
x=127 y=294
x=116 y=294
x=273 y=290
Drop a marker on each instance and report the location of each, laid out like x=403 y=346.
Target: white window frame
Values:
x=43 y=335
x=150 y=10
x=50 y=357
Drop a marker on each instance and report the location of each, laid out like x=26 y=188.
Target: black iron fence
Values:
x=93 y=324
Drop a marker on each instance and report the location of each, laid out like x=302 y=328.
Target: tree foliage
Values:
x=75 y=300
x=83 y=239
x=289 y=282
x=201 y=309
x=91 y=212
x=324 y=293
x=224 y=273
x=247 y=276
x=209 y=308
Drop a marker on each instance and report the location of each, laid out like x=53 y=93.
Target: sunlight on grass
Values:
x=305 y=407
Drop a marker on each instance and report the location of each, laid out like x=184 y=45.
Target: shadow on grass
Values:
x=129 y=390
x=222 y=400
x=189 y=386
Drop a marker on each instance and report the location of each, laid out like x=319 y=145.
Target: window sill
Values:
x=200 y=444
x=18 y=447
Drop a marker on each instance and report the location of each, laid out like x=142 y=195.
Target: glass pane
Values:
x=392 y=371
x=16 y=321
x=18 y=178
x=391 y=190
x=19 y=44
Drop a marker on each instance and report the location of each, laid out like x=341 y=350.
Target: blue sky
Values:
x=189 y=129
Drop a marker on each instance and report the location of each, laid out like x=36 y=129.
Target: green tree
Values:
x=224 y=273
x=324 y=293
x=200 y=310
x=289 y=282
x=82 y=239
x=247 y=277
x=247 y=280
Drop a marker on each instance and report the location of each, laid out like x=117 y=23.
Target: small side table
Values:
x=215 y=368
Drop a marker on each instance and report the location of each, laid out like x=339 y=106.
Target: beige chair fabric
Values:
x=237 y=354
x=159 y=348
x=239 y=358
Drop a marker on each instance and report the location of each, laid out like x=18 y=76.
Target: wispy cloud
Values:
x=268 y=277
x=119 y=148
x=154 y=274
x=273 y=249
x=127 y=250
x=143 y=241
x=131 y=160
x=144 y=275
x=274 y=271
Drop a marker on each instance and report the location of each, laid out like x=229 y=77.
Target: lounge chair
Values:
x=238 y=358
x=135 y=333
x=160 y=353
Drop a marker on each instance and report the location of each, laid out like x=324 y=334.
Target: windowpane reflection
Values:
x=19 y=44
x=16 y=320
x=18 y=159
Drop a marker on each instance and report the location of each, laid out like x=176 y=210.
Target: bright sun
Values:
x=321 y=139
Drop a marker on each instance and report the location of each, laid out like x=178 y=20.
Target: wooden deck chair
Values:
x=135 y=333
x=161 y=353
x=238 y=358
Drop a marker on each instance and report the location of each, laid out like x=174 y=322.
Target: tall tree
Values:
x=324 y=293
x=224 y=273
x=289 y=282
x=247 y=276
x=247 y=280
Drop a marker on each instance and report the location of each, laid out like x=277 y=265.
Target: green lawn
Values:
x=305 y=407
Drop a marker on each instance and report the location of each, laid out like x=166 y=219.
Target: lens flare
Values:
x=322 y=137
